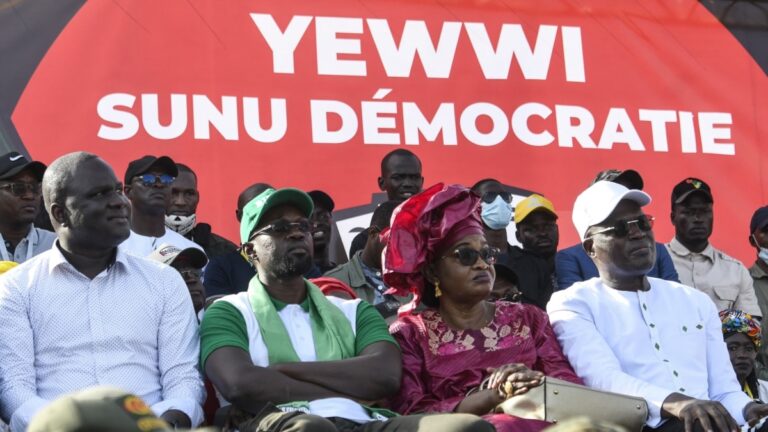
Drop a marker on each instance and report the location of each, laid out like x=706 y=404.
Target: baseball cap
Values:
x=759 y=219
x=99 y=409
x=688 y=186
x=629 y=177
x=14 y=162
x=531 y=204
x=598 y=201
x=145 y=163
x=267 y=200
x=167 y=253
x=323 y=199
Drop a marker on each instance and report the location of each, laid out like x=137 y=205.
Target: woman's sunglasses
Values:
x=468 y=256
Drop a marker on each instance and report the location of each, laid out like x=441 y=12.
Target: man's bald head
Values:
x=59 y=174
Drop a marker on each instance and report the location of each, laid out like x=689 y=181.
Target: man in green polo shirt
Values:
x=292 y=358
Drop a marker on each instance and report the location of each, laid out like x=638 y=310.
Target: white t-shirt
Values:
x=141 y=245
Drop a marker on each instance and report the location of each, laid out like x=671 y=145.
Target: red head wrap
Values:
x=422 y=228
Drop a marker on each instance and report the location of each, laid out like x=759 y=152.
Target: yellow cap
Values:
x=7 y=265
x=530 y=205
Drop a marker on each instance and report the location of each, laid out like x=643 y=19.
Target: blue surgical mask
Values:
x=497 y=214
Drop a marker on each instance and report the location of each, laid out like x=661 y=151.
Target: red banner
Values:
x=540 y=95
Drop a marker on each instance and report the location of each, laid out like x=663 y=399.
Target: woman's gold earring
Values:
x=438 y=293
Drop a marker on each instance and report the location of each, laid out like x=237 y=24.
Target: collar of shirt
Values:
x=678 y=249
x=757 y=272
x=31 y=239
x=58 y=259
x=281 y=305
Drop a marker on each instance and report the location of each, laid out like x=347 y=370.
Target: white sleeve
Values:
x=593 y=359
x=18 y=383
x=178 y=351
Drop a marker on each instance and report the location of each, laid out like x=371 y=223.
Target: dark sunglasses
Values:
x=191 y=273
x=152 y=179
x=489 y=197
x=21 y=189
x=468 y=256
x=283 y=227
x=621 y=228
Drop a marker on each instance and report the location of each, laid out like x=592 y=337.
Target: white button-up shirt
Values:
x=36 y=242
x=132 y=326
x=647 y=343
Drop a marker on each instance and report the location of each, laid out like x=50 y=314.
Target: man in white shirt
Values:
x=627 y=333
x=85 y=313
x=20 y=204
x=148 y=185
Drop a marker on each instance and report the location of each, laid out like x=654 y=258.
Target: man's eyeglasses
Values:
x=468 y=256
x=152 y=179
x=283 y=227
x=21 y=189
x=621 y=228
x=489 y=197
x=191 y=273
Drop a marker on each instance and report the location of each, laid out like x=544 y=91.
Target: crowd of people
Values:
x=431 y=321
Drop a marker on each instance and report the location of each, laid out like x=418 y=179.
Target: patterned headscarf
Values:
x=736 y=321
x=422 y=228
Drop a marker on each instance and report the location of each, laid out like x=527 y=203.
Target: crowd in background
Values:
x=431 y=320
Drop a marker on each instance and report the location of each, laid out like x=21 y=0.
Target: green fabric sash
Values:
x=331 y=331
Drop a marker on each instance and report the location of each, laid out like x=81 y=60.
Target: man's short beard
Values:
x=291 y=265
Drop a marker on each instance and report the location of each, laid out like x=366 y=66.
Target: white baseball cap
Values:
x=599 y=200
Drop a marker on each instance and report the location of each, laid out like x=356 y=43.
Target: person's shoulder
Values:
x=44 y=235
x=513 y=309
x=727 y=258
x=28 y=271
x=575 y=250
x=671 y=289
x=586 y=291
x=178 y=240
x=411 y=324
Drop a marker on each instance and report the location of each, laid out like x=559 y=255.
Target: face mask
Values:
x=181 y=224
x=497 y=214
x=763 y=254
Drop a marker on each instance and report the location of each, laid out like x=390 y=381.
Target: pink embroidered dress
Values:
x=440 y=364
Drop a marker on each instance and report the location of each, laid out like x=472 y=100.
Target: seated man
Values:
x=182 y=215
x=86 y=313
x=647 y=337
x=230 y=273
x=189 y=263
x=147 y=185
x=20 y=205
x=363 y=271
x=283 y=342
x=573 y=265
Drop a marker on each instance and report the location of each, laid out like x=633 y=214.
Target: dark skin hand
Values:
x=711 y=415
x=177 y=418
x=516 y=376
x=248 y=386
x=234 y=374
x=352 y=377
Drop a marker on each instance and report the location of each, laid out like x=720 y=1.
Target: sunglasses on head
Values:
x=489 y=197
x=152 y=179
x=468 y=256
x=283 y=227
x=621 y=228
x=21 y=189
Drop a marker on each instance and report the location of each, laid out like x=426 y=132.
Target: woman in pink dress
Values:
x=437 y=251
